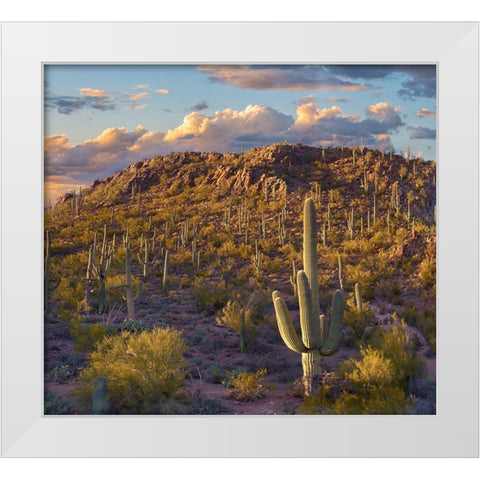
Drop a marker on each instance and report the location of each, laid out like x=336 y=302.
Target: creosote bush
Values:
x=142 y=370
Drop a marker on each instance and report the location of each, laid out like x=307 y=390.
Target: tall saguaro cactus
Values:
x=318 y=338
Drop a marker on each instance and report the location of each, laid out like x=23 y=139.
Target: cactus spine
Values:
x=318 y=340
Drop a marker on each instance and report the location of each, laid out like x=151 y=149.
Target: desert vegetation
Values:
x=190 y=283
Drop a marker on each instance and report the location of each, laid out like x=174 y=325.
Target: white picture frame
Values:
x=452 y=432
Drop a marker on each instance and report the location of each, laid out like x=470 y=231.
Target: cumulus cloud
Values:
x=425 y=112
x=382 y=111
x=226 y=130
x=308 y=113
x=281 y=77
x=421 y=132
x=219 y=128
x=102 y=155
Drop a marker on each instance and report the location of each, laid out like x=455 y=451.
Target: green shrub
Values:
x=142 y=369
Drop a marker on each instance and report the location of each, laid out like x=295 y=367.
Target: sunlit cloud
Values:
x=382 y=111
x=308 y=114
x=138 y=96
x=294 y=78
x=425 y=112
x=141 y=87
x=382 y=138
x=93 y=92
x=162 y=91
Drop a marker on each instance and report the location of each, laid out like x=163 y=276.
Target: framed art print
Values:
x=253 y=248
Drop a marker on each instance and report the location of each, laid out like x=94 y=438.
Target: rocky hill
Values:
x=208 y=232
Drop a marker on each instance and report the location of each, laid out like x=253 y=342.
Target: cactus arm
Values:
x=285 y=325
x=336 y=334
x=310 y=264
x=309 y=324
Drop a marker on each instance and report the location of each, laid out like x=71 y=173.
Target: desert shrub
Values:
x=210 y=294
x=427 y=272
x=249 y=386
x=60 y=374
x=53 y=404
x=370 y=389
x=373 y=369
x=397 y=345
x=427 y=325
x=357 y=320
x=85 y=336
x=240 y=317
x=410 y=314
x=142 y=370
x=213 y=374
x=132 y=325
x=204 y=406
x=69 y=295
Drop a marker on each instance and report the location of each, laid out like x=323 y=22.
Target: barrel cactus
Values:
x=319 y=338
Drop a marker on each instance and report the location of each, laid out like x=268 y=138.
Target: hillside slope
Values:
x=232 y=226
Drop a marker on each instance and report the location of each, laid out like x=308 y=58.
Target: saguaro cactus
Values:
x=99 y=395
x=318 y=338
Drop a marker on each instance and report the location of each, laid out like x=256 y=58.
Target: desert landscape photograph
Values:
x=240 y=239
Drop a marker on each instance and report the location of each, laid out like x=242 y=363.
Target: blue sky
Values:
x=100 y=118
